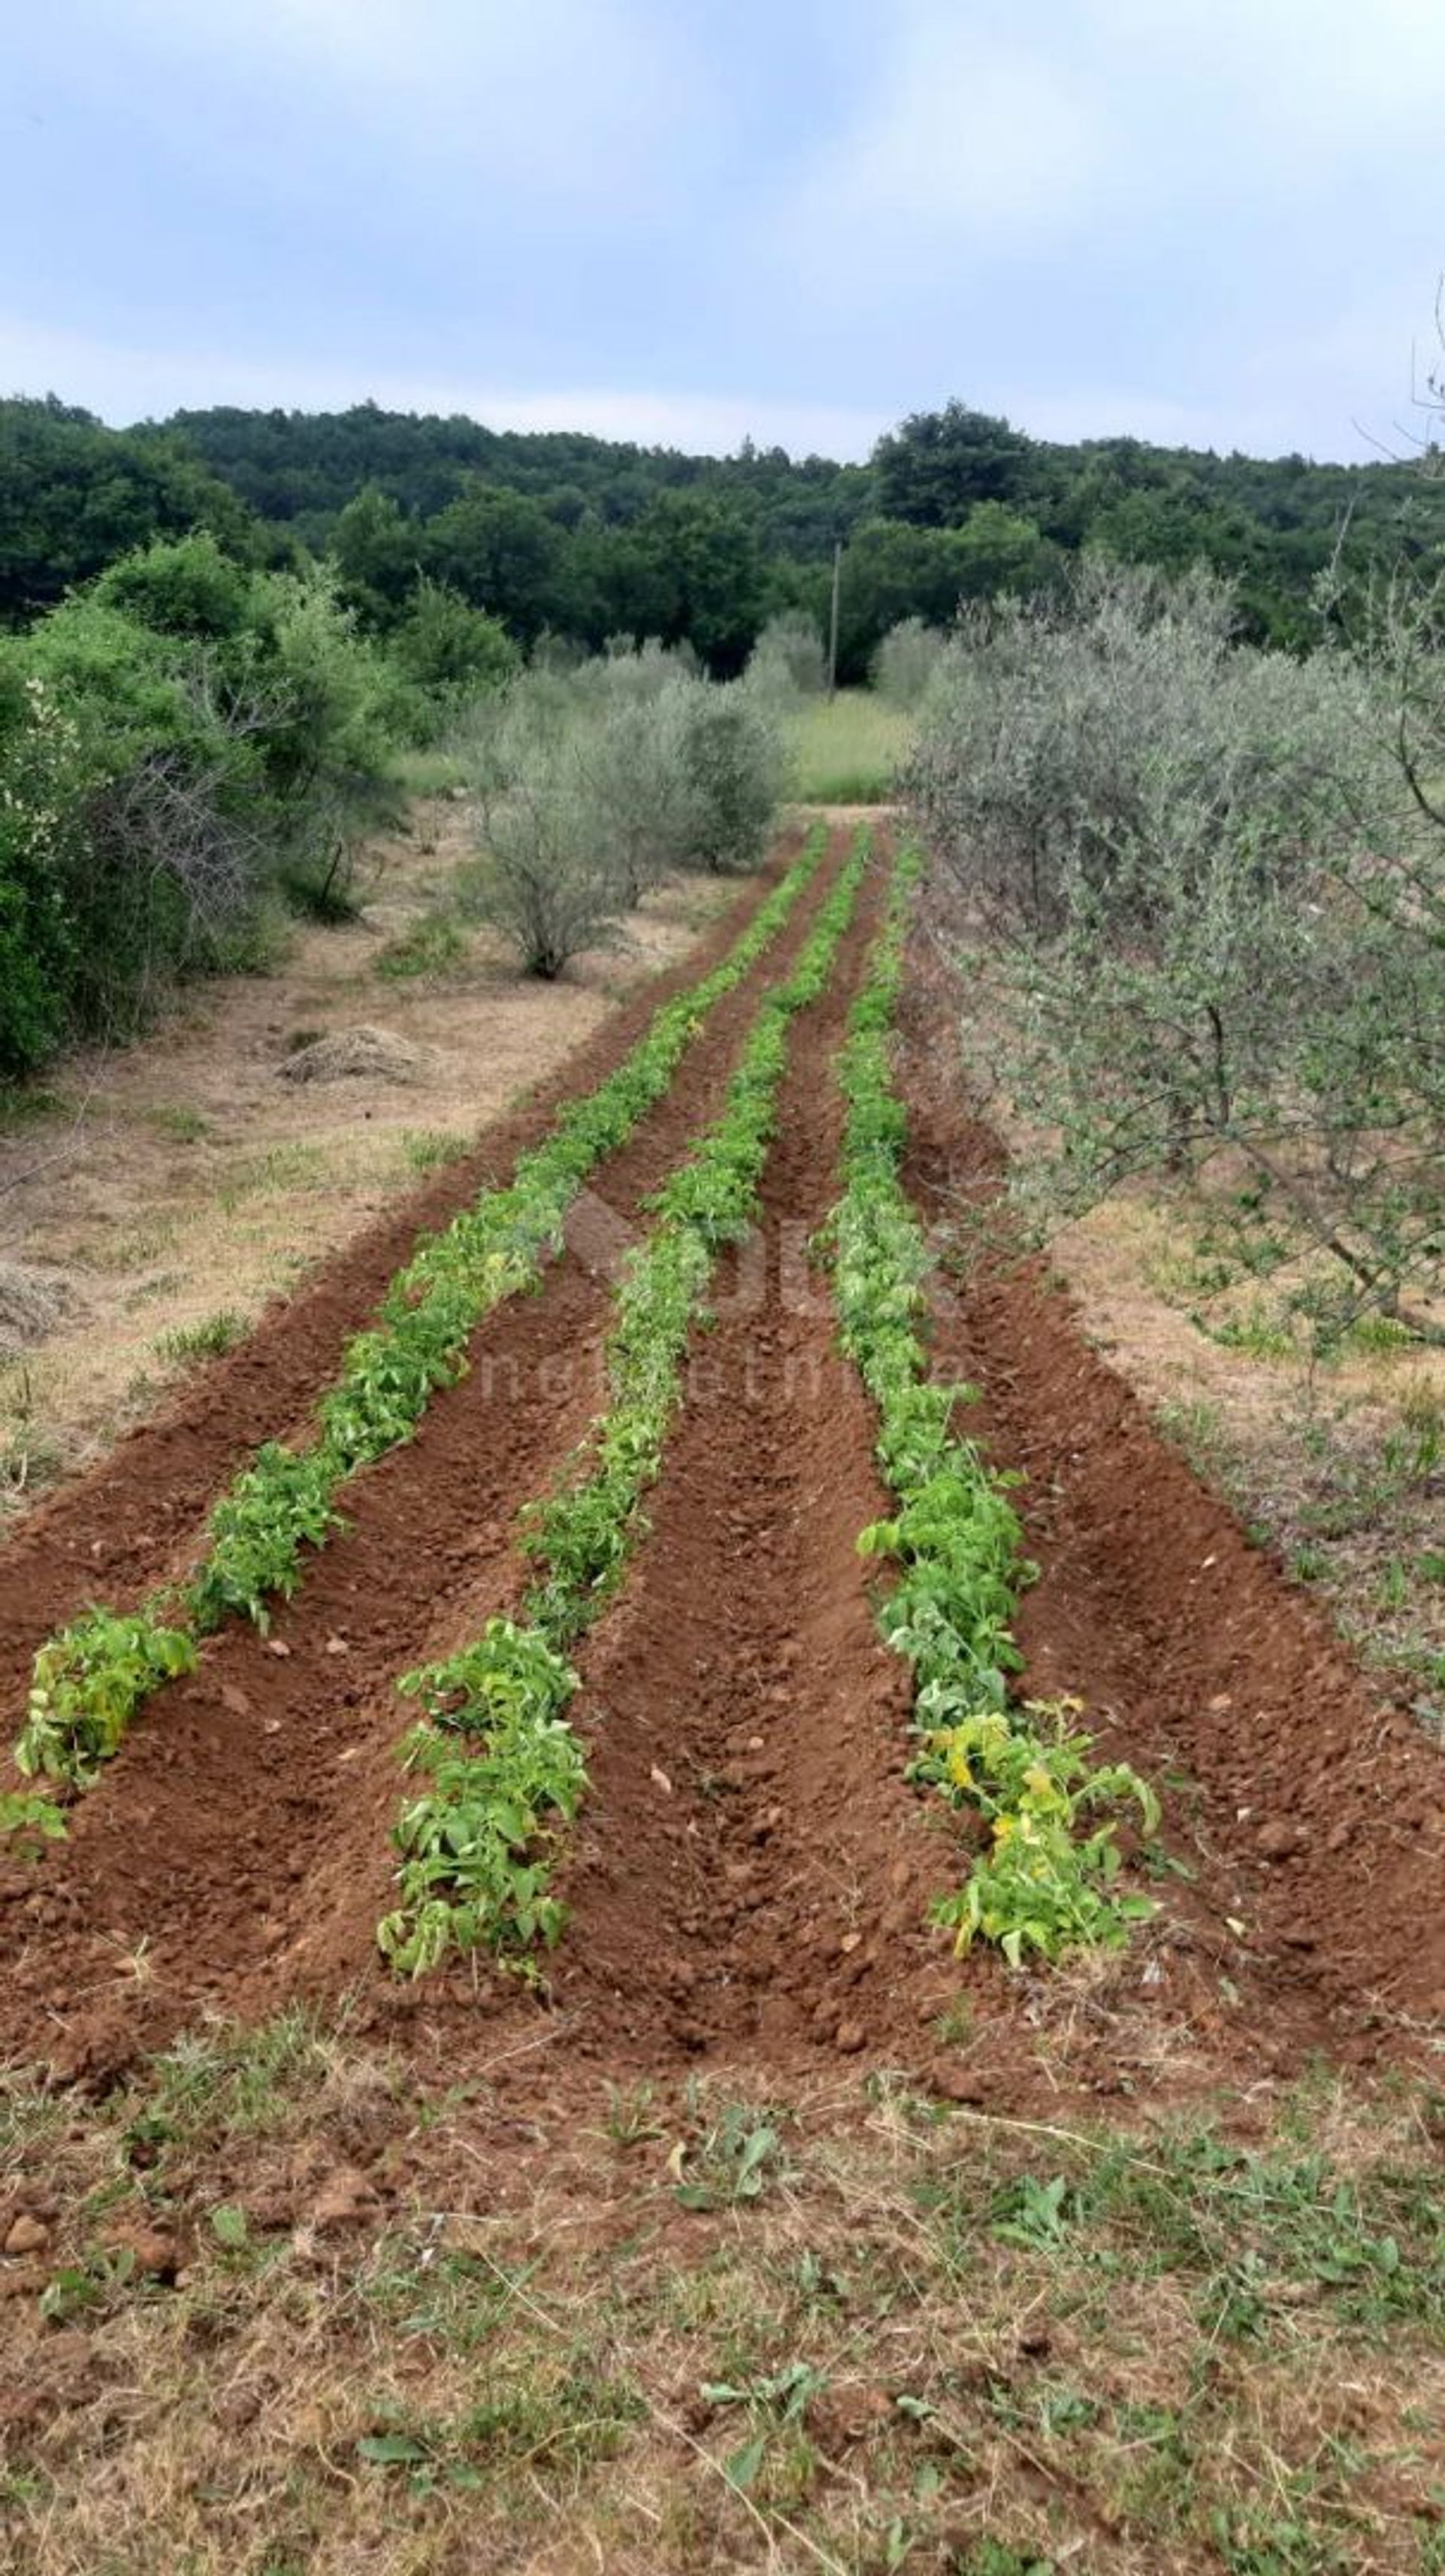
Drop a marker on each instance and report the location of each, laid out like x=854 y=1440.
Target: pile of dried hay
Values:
x=33 y=1304
x=351 y=1055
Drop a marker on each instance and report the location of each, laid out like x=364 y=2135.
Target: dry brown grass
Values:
x=369 y=2324
x=181 y=1179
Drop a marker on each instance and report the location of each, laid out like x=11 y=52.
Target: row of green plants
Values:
x=504 y=1773
x=1046 y=1878
x=91 y=1677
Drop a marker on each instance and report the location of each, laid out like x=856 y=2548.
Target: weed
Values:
x=210 y=1339
x=25 y=1104
x=431 y=1149
x=431 y=946
x=172 y=1118
x=631 y=2114
x=736 y=2158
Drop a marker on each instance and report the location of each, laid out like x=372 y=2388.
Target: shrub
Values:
x=1200 y=878
x=906 y=660
x=543 y=880
x=449 y=648
x=733 y=762
x=788 y=660
x=630 y=758
x=177 y=741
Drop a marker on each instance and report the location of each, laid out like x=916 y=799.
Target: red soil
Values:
x=751 y=1873
x=115 y=1530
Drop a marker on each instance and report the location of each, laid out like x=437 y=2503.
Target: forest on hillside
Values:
x=559 y=532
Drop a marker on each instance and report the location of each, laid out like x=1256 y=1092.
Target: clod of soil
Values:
x=351 y=1055
x=32 y=1304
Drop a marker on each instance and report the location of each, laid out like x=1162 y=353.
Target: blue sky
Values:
x=1211 y=221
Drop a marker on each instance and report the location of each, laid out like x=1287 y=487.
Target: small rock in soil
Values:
x=1277 y=1838
x=26 y=2235
x=155 y=2254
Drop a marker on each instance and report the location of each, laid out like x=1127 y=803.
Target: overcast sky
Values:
x=1217 y=222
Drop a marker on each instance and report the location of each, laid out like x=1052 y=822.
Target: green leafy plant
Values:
x=32 y=1819
x=503 y=1768
x=478 y=1846
x=1047 y=1881
x=88 y=1683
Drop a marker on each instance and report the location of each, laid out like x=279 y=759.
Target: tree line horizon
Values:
x=564 y=533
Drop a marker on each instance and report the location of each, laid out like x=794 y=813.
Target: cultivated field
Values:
x=905 y=2055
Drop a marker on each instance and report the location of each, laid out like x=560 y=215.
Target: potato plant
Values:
x=92 y=1676
x=956 y=1547
x=478 y=1848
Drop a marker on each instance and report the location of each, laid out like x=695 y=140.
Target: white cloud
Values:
x=964 y=141
x=574 y=102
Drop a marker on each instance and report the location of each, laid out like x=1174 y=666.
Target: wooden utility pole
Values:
x=833 y=620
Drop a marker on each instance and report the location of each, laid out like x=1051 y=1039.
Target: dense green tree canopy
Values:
x=75 y=495
x=555 y=531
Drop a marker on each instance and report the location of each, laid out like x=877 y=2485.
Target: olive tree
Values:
x=1178 y=864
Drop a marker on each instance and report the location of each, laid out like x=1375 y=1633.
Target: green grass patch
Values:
x=207 y=1340
x=861 y=2332
x=846 y=751
x=429 y=947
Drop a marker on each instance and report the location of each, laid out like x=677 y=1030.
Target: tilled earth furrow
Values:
x=752 y=1872
x=1310 y=1820
x=252 y=1801
x=119 y=1528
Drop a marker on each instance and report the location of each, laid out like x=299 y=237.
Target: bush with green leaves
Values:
x=789 y=661
x=592 y=784
x=543 y=881
x=906 y=660
x=630 y=759
x=479 y=1848
x=449 y=649
x=955 y=1548
x=734 y=764
x=178 y=740
x=94 y=1674
x=1189 y=884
